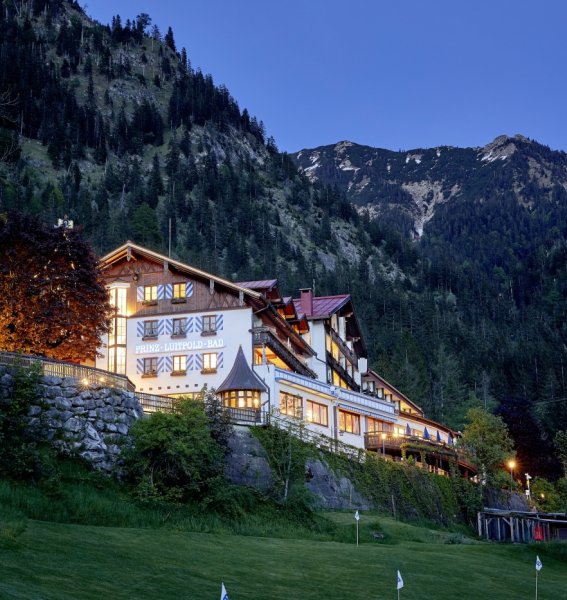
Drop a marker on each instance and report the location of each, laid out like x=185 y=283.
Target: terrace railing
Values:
x=58 y=368
x=323 y=442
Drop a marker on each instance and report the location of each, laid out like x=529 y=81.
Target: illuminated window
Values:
x=209 y=362
x=375 y=425
x=117 y=360
x=150 y=293
x=349 y=422
x=179 y=291
x=117 y=332
x=150 y=367
x=241 y=398
x=210 y=324
x=178 y=327
x=117 y=298
x=291 y=405
x=180 y=364
x=317 y=413
x=150 y=329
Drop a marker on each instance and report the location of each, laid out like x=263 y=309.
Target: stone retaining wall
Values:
x=92 y=422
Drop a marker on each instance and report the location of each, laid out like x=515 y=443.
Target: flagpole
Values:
x=536 y=584
x=357 y=535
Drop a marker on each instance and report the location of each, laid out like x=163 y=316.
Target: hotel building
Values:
x=177 y=329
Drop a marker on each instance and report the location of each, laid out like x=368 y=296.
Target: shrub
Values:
x=173 y=456
x=24 y=454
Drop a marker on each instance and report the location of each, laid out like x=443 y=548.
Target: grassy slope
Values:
x=55 y=561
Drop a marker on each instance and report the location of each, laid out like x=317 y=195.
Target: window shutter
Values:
x=168 y=291
x=168 y=326
x=168 y=364
x=140 y=329
x=189 y=289
x=161 y=326
x=140 y=293
x=198 y=362
x=139 y=366
x=198 y=324
x=220 y=322
x=189 y=325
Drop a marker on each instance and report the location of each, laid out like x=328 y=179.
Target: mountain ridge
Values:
x=414 y=182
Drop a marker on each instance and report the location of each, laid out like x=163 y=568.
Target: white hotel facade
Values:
x=178 y=329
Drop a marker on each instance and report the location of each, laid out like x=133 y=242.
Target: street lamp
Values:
x=511 y=466
x=383 y=440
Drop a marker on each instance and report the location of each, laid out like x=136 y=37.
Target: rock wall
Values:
x=92 y=422
x=247 y=464
x=333 y=491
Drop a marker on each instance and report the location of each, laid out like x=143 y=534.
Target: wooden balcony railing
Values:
x=373 y=440
x=344 y=374
x=263 y=336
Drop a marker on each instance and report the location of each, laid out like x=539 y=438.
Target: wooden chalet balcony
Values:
x=345 y=350
x=336 y=366
x=264 y=336
x=393 y=445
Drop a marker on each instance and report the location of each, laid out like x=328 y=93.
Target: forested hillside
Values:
x=113 y=126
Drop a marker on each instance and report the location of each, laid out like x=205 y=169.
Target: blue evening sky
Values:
x=398 y=74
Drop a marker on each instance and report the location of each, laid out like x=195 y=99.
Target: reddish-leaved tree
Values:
x=52 y=298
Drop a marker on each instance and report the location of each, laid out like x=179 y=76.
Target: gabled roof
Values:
x=373 y=375
x=323 y=306
x=126 y=250
x=242 y=377
x=261 y=284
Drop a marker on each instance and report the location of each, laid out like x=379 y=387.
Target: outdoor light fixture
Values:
x=511 y=466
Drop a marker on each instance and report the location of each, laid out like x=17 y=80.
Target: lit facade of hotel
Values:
x=177 y=329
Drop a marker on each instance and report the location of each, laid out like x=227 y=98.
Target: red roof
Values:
x=262 y=284
x=323 y=306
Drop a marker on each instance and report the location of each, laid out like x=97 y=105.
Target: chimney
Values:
x=307 y=301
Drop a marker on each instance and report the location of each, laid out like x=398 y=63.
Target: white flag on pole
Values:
x=223 y=594
x=400 y=581
x=538 y=564
x=357 y=516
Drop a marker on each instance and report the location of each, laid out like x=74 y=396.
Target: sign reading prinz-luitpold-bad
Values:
x=178 y=346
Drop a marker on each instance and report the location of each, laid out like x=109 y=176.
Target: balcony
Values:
x=245 y=416
x=431 y=452
x=343 y=373
x=262 y=336
x=345 y=350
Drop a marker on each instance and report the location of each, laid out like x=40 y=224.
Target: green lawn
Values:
x=61 y=561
